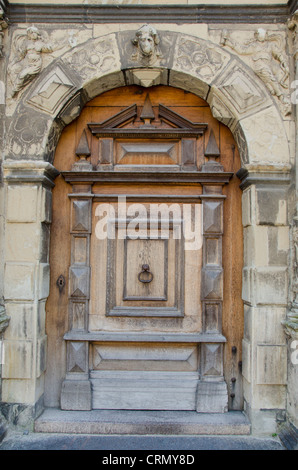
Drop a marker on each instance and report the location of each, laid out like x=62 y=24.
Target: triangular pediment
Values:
x=149 y=123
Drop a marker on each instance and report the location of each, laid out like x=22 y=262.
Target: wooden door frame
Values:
x=262 y=170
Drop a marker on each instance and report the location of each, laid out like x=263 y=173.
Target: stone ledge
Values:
x=142 y=422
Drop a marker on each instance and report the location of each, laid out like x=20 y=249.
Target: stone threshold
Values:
x=130 y=422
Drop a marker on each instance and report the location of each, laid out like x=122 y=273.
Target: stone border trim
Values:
x=39 y=13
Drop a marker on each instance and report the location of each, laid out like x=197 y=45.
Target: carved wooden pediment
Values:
x=169 y=124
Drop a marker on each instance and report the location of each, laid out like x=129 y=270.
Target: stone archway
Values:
x=236 y=97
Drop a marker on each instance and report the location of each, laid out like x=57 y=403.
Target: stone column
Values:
x=291 y=322
x=27 y=189
x=4 y=321
x=265 y=294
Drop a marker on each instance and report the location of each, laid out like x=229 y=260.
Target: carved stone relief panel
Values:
x=53 y=90
x=240 y=90
x=200 y=58
x=265 y=53
x=28 y=134
x=32 y=50
x=94 y=58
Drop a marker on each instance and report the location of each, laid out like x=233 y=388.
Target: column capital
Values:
x=29 y=171
x=264 y=174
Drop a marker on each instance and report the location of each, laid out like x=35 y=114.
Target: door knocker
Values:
x=145 y=269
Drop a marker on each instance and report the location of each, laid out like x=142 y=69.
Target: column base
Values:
x=212 y=397
x=3 y=430
x=76 y=395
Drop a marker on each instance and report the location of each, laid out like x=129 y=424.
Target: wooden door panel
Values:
x=171 y=304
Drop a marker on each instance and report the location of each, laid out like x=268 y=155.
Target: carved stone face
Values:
x=146 y=43
x=260 y=34
x=146 y=39
x=33 y=33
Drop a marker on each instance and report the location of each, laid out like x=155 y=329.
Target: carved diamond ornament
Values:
x=54 y=90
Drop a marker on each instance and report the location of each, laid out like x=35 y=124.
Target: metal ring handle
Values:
x=145 y=269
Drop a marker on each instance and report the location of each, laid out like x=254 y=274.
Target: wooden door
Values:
x=149 y=319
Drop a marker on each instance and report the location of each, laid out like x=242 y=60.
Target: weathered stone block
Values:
x=269 y=396
x=186 y=82
x=271 y=285
x=21 y=324
x=18 y=391
x=17 y=360
x=21 y=203
x=256 y=246
x=247 y=198
x=247 y=293
x=271 y=206
x=22 y=242
x=19 y=281
x=264 y=146
x=41 y=356
x=147 y=77
x=246 y=360
x=46 y=206
x=43 y=280
x=268 y=327
x=271 y=364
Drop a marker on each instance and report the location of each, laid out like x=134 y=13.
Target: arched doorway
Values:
x=145 y=345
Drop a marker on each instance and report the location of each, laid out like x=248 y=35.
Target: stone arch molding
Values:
x=237 y=97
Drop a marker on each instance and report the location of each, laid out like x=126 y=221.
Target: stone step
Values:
x=142 y=422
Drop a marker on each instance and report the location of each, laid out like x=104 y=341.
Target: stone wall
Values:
x=245 y=73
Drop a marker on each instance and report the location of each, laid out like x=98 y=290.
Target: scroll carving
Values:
x=267 y=61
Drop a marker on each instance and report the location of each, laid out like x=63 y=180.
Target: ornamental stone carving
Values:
x=27 y=63
x=267 y=61
x=3 y=25
x=94 y=57
x=146 y=41
x=293 y=26
x=199 y=57
x=291 y=322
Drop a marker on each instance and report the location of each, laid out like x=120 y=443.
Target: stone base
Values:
x=212 y=397
x=76 y=395
x=3 y=430
x=289 y=436
x=123 y=422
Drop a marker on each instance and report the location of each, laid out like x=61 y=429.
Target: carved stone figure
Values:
x=146 y=40
x=28 y=63
x=263 y=49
